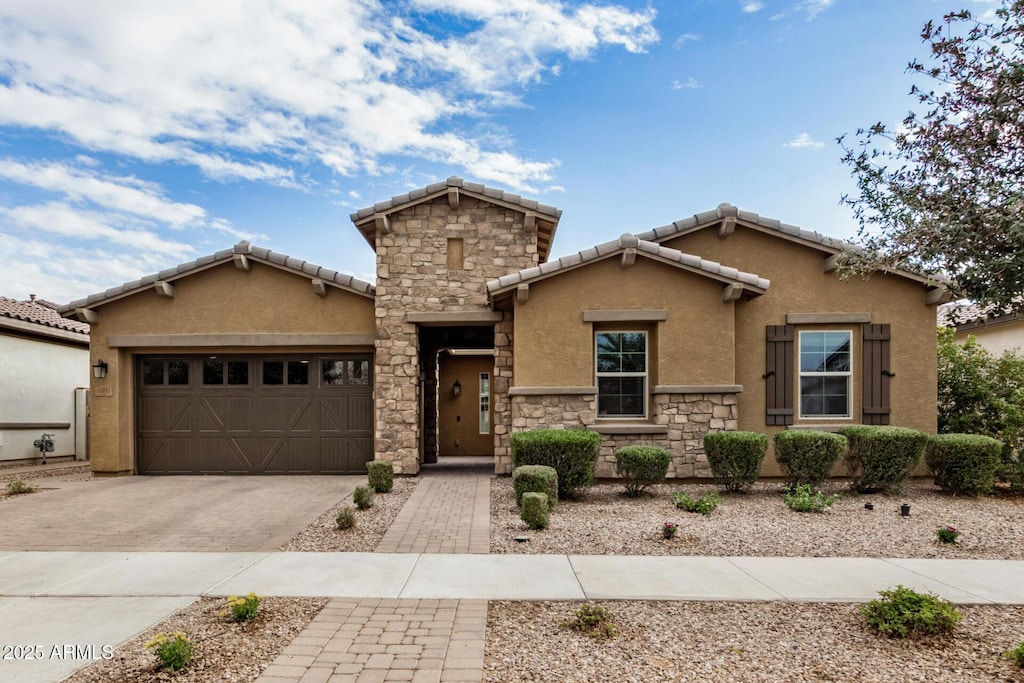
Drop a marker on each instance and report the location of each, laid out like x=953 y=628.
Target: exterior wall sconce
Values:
x=99 y=371
x=456 y=388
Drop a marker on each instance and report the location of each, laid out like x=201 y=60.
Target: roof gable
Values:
x=369 y=220
x=40 y=318
x=727 y=217
x=736 y=283
x=241 y=254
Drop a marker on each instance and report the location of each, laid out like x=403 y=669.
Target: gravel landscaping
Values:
x=224 y=650
x=758 y=523
x=745 y=642
x=324 y=536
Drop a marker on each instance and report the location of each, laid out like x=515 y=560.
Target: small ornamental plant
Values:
x=173 y=650
x=704 y=505
x=947 y=534
x=668 y=530
x=244 y=608
x=902 y=612
x=1016 y=655
x=363 y=497
x=593 y=620
x=346 y=518
x=17 y=487
x=801 y=499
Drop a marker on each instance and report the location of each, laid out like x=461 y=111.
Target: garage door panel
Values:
x=262 y=427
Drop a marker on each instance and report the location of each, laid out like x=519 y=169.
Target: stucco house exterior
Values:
x=994 y=330
x=44 y=377
x=250 y=361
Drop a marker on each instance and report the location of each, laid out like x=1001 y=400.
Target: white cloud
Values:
x=253 y=90
x=804 y=141
x=688 y=84
x=751 y=7
x=687 y=38
x=815 y=7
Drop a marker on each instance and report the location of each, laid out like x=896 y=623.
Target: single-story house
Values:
x=250 y=361
x=995 y=330
x=44 y=379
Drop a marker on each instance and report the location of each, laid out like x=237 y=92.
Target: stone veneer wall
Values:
x=413 y=276
x=502 y=404
x=688 y=418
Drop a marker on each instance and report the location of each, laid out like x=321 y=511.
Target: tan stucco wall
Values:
x=694 y=345
x=799 y=285
x=997 y=337
x=219 y=300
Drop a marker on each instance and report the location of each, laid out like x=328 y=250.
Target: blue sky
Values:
x=135 y=135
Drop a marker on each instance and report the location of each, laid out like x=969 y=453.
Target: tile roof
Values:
x=968 y=313
x=39 y=312
x=259 y=254
x=612 y=248
x=771 y=225
x=454 y=181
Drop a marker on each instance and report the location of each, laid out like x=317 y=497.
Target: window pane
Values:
x=152 y=372
x=634 y=342
x=298 y=372
x=824 y=396
x=634 y=362
x=177 y=372
x=213 y=372
x=837 y=351
x=238 y=372
x=358 y=372
x=609 y=363
x=273 y=372
x=608 y=406
x=333 y=372
x=608 y=342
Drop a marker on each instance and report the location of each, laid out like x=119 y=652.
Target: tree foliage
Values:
x=944 y=192
x=981 y=393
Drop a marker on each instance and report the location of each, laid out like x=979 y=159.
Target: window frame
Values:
x=645 y=376
x=800 y=374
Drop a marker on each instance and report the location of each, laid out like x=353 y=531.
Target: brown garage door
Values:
x=254 y=414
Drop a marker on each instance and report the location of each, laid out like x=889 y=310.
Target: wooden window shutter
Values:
x=778 y=375
x=876 y=374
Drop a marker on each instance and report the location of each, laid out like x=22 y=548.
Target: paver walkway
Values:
x=448 y=512
x=424 y=641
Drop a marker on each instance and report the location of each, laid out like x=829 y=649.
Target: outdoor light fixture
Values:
x=456 y=388
x=99 y=371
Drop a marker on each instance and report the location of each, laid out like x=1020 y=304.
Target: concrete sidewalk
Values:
x=85 y=598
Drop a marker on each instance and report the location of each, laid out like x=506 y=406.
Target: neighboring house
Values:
x=996 y=331
x=44 y=376
x=251 y=361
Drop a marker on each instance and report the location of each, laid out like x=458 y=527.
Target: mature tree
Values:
x=945 y=191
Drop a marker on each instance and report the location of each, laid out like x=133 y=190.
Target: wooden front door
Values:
x=465 y=422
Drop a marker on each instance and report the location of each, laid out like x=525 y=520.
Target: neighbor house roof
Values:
x=371 y=219
x=967 y=315
x=241 y=254
x=39 y=317
x=737 y=282
x=729 y=216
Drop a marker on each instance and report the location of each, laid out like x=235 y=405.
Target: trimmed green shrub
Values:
x=964 y=463
x=381 y=475
x=903 y=612
x=363 y=497
x=801 y=499
x=536 y=479
x=572 y=452
x=704 y=505
x=346 y=518
x=882 y=458
x=735 y=457
x=807 y=457
x=535 y=510
x=641 y=466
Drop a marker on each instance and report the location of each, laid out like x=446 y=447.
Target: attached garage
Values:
x=254 y=414
x=242 y=362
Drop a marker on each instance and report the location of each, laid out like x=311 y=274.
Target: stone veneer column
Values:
x=502 y=408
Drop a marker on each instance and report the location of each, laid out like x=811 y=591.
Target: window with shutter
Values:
x=778 y=375
x=877 y=374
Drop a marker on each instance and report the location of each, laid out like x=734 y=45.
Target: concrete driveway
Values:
x=200 y=513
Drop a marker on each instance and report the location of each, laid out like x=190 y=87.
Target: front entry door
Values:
x=464 y=404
